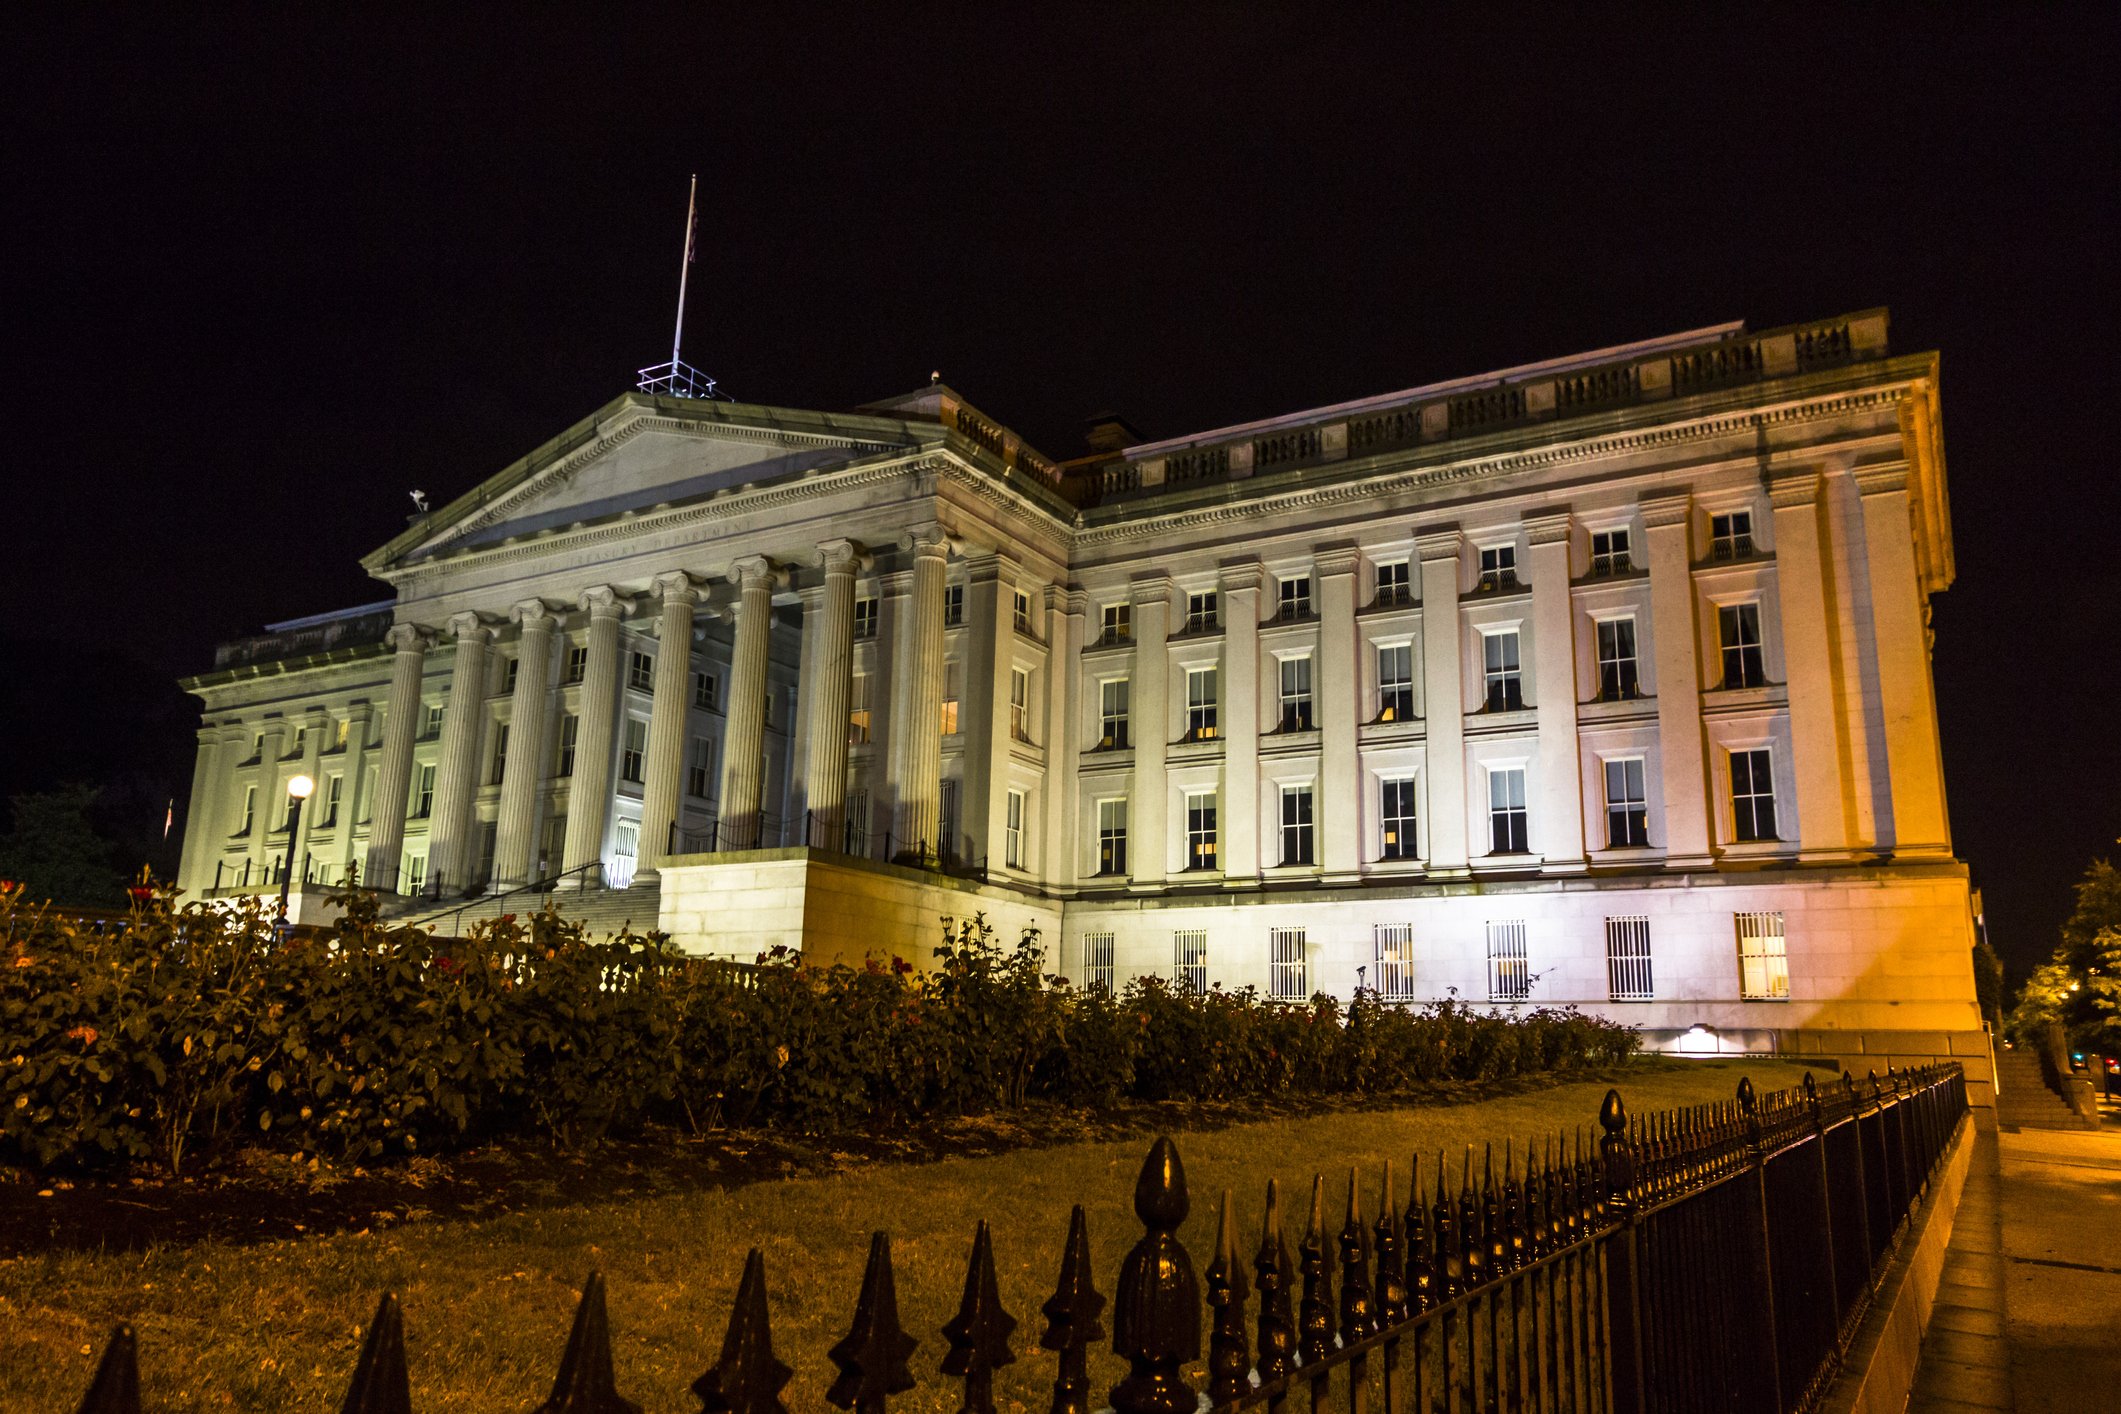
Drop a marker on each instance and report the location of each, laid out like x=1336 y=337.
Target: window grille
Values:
x=1293 y=598
x=1392 y=584
x=1394 y=953
x=946 y=822
x=1202 y=612
x=1627 y=959
x=857 y=821
x=1498 y=568
x=1753 y=794
x=1619 y=675
x=1395 y=682
x=1763 y=958
x=1189 y=959
x=1609 y=553
x=1396 y=812
x=1287 y=975
x=1097 y=961
x=1508 y=827
x=1505 y=671
x=1509 y=970
x=1731 y=536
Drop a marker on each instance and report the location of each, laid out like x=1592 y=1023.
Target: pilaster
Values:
x=1559 y=824
x=1338 y=801
x=1822 y=767
x=1442 y=552
x=1242 y=581
x=401 y=726
x=1668 y=523
x=1148 y=811
x=1900 y=627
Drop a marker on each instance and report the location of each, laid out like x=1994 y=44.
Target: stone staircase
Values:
x=601 y=912
x=2025 y=1101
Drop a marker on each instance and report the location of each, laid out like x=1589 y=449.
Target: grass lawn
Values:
x=275 y=1325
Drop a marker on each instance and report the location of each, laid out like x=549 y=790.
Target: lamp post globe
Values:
x=299 y=789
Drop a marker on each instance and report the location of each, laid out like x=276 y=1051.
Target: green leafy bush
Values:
x=179 y=1034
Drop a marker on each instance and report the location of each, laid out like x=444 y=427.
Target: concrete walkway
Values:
x=2028 y=1317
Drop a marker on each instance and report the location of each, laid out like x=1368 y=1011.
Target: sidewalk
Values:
x=2028 y=1317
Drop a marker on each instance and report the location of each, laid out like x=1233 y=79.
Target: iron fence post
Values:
x=1625 y=1377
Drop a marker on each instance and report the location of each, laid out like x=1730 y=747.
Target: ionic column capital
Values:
x=931 y=539
x=532 y=616
x=469 y=627
x=1550 y=527
x=408 y=638
x=841 y=557
x=604 y=602
x=1661 y=509
x=1790 y=489
x=676 y=587
x=755 y=570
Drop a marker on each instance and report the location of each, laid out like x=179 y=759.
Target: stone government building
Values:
x=1604 y=680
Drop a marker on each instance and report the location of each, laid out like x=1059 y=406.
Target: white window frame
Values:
x=1203 y=611
x=1628 y=962
x=1288 y=965
x=1625 y=667
x=1392 y=950
x=1020 y=611
x=570 y=735
x=1019 y=704
x=1296 y=683
x=1760 y=770
x=1731 y=534
x=1115 y=709
x=1498 y=567
x=1203 y=840
x=953 y=605
x=1013 y=831
x=1298 y=836
x=1292 y=597
x=1502 y=669
x=1512 y=811
x=866 y=617
x=1763 y=956
x=423 y=791
x=1189 y=959
x=1395 y=695
x=1740 y=639
x=1394 y=584
x=577 y=662
x=1112 y=845
x=1631 y=802
x=1509 y=961
x=1098 y=950
x=1615 y=556
x=640 y=671
x=1203 y=712
x=1399 y=836
x=1116 y=622
x=953 y=695
x=633 y=751
x=858 y=710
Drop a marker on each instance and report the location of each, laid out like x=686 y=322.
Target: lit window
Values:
x=1203 y=612
x=1118 y=624
x=1393 y=586
x=1609 y=553
x=1019 y=704
x=1112 y=713
x=577 y=664
x=1498 y=568
x=1508 y=823
x=1731 y=536
x=1509 y=969
x=704 y=695
x=1288 y=978
x=1753 y=795
x=1023 y=611
x=1112 y=837
x=1013 y=832
x=1505 y=671
x=1396 y=812
x=1627 y=810
x=953 y=605
x=1298 y=839
x=1763 y=958
x=1200 y=704
x=1395 y=682
x=865 y=615
x=1738 y=626
x=953 y=687
x=1189 y=959
x=423 y=795
x=1393 y=945
x=699 y=768
x=858 y=709
x=634 y=750
x=1200 y=829
x=1296 y=694
x=1097 y=961
x=570 y=728
x=1618 y=678
x=640 y=672
x=1627 y=959
x=343 y=730
x=1293 y=598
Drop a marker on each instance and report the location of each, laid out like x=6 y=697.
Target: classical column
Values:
x=198 y=815
x=1339 y=797
x=315 y=722
x=1061 y=844
x=1560 y=819
x=917 y=727
x=988 y=642
x=1900 y=627
x=1675 y=641
x=827 y=688
x=597 y=712
x=401 y=726
x=744 y=740
x=1443 y=695
x=355 y=765
x=1240 y=688
x=1148 y=824
x=516 y=833
x=668 y=716
x=1821 y=762
x=449 y=846
x=271 y=805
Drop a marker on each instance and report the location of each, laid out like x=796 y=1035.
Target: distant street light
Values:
x=298 y=790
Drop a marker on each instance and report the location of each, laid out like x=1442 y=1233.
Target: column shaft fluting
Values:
x=827 y=697
x=667 y=720
x=195 y=871
x=401 y=727
x=516 y=834
x=589 y=793
x=744 y=740
x=917 y=734
x=449 y=847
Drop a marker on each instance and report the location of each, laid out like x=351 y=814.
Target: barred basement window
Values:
x=857 y=821
x=946 y=821
x=1097 y=961
x=1287 y=979
x=1394 y=944
x=1627 y=959
x=1189 y=960
x=1763 y=958
x=865 y=617
x=1509 y=971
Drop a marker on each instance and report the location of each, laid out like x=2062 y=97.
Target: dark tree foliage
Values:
x=53 y=849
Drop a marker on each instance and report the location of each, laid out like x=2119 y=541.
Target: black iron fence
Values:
x=953 y=854
x=1714 y=1258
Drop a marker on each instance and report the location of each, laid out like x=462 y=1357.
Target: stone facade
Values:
x=1602 y=681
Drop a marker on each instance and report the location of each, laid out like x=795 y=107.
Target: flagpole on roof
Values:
x=677 y=340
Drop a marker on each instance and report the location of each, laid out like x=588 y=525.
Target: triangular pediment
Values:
x=639 y=453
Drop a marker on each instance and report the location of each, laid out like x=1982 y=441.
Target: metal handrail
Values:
x=542 y=886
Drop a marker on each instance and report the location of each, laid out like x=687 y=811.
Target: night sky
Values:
x=266 y=280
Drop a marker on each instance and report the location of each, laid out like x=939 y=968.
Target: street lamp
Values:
x=298 y=789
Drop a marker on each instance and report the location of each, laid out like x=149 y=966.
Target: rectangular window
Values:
x=434 y=720
x=1508 y=827
x=332 y=787
x=343 y=730
x=1395 y=809
x=699 y=767
x=1627 y=959
x=423 y=795
x=640 y=672
x=1395 y=682
x=500 y=754
x=1013 y=832
x=1618 y=679
x=1298 y=838
x=1763 y=958
x=570 y=728
x=946 y=821
x=1112 y=837
x=1203 y=612
x=858 y=709
x=1200 y=829
x=1200 y=704
x=1293 y=598
x=1505 y=671
x=250 y=809
x=1288 y=979
x=1738 y=627
x=1627 y=809
x=1097 y=961
x=287 y=813
x=1394 y=952
x=1509 y=969
x=1112 y=713
x=1118 y=625
x=1019 y=704
x=1753 y=795
x=301 y=739
x=1393 y=586
x=1189 y=959
x=953 y=605
x=415 y=872
x=257 y=747
x=703 y=692
x=508 y=675
x=1731 y=536
x=865 y=616
x=1022 y=606
x=577 y=663
x=1296 y=695
x=1609 y=553
x=953 y=689
x=626 y=839
x=634 y=750
x=1498 y=568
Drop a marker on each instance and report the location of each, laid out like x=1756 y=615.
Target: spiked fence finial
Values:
x=380 y=1384
x=1277 y=1325
x=1156 y=1313
x=979 y=1333
x=1229 y=1349
x=116 y=1388
x=1358 y=1304
x=748 y=1379
x=872 y=1357
x=1072 y=1320
x=586 y=1384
